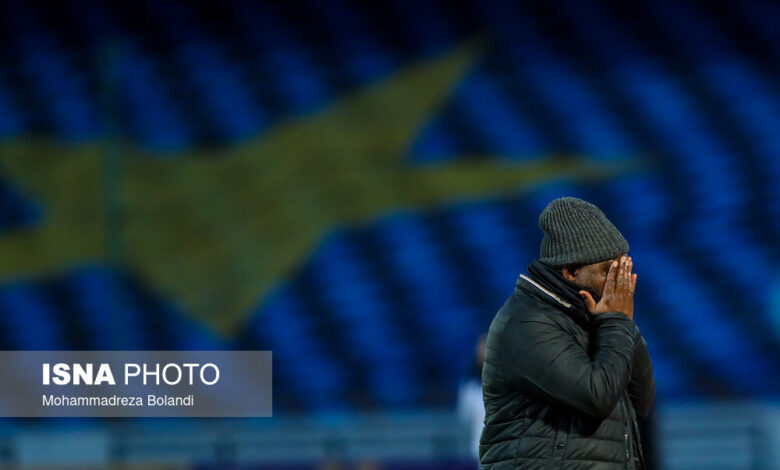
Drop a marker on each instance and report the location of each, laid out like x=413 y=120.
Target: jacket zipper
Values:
x=626 y=443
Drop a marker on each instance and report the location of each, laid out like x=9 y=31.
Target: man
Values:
x=566 y=370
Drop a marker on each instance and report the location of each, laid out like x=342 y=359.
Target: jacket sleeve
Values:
x=544 y=361
x=641 y=389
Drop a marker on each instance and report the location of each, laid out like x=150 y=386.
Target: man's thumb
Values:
x=589 y=302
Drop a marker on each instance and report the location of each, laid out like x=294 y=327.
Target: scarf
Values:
x=552 y=280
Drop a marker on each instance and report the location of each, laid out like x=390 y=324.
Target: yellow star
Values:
x=215 y=232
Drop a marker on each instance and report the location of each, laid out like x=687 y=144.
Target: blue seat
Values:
x=362 y=57
x=15 y=209
x=105 y=311
x=503 y=128
x=12 y=119
x=31 y=322
x=151 y=115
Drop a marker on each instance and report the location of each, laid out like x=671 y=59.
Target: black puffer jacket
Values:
x=562 y=391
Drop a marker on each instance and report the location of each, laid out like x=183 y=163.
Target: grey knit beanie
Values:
x=577 y=232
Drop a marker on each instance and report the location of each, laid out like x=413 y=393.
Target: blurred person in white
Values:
x=471 y=406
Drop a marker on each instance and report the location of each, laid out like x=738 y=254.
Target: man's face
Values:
x=590 y=277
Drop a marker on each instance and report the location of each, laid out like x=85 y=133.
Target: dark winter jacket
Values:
x=562 y=389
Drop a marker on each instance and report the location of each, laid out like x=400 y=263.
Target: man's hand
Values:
x=618 y=294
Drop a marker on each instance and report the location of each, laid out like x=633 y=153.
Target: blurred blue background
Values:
x=355 y=186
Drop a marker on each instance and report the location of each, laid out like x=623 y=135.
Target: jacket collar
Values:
x=549 y=295
x=543 y=284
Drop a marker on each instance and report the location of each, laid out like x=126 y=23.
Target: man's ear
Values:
x=569 y=272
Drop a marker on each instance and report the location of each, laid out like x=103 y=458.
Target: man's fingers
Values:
x=589 y=302
x=627 y=274
x=633 y=283
x=622 y=276
x=609 y=285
